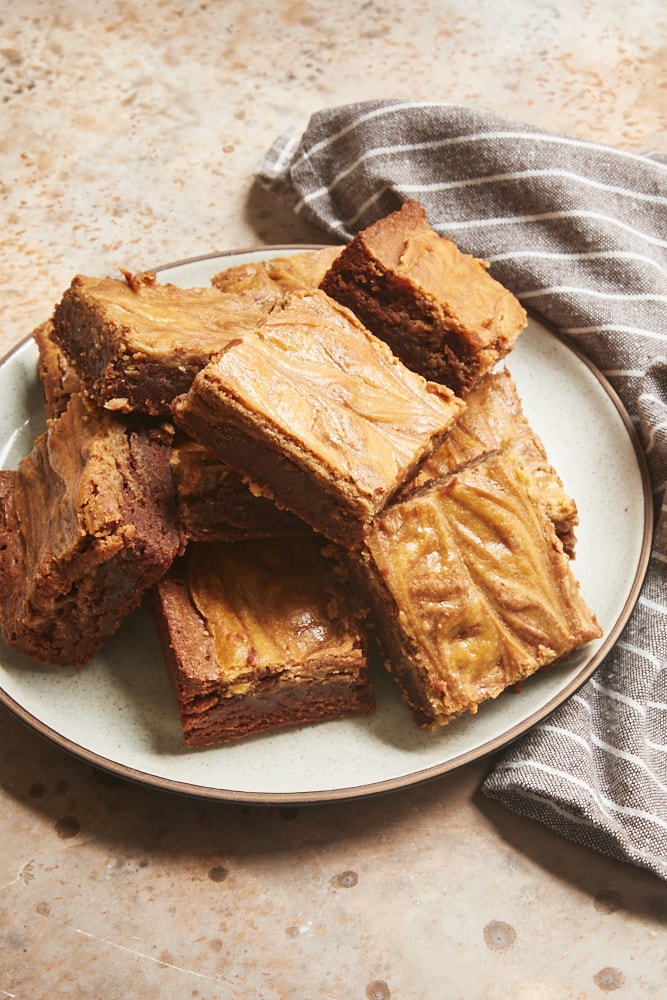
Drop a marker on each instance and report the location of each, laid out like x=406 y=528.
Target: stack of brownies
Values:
x=313 y=453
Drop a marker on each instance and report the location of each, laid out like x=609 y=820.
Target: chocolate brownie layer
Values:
x=215 y=504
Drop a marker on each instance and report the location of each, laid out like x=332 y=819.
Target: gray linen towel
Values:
x=578 y=231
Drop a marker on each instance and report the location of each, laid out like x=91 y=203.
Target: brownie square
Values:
x=259 y=635
x=470 y=589
x=88 y=524
x=318 y=414
x=439 y=309
x=135 y=344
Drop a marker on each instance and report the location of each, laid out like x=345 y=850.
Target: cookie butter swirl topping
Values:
x=269 y=605
x=484 y=308
x=328 y=385
x=484 y=589
x=268 y=280
x=60 y=497
x=161 y=317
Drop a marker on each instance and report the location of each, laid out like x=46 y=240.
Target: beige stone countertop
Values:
x=129 y=133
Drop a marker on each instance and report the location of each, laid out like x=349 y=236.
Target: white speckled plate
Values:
x=119 y=712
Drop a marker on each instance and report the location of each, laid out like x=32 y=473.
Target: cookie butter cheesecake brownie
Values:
x=318 y=414
x=87 y=525
x=259 y=635
x=135 y=344
x=439 y=309
x=470 y=588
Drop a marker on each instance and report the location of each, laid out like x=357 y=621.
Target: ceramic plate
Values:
x=119 y=711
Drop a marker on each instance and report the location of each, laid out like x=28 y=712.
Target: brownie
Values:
x=470 y=589
x=494 y=420
x=439 y=309
x=268 y=280
x=318 y=414
x=58 y=378
x=88 y=525
x=135 y=344
x=259 y=635
x=215 y=504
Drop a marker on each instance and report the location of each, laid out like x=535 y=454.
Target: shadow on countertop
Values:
x=79 y=802
x=275 y=223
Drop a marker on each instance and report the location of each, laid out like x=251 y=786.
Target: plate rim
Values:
x=413 y=778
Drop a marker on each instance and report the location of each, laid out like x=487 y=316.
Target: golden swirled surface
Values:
x=269 y=603
x=158 y=318
x=320 y=379
x=482 y=587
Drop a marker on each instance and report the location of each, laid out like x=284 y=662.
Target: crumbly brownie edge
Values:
x=84 y=336
x=154 y=507
x=277 y=706
x=400 y=660
x=11 y=551
x=215 y=504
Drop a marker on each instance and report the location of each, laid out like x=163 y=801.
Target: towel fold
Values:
x=578 y=231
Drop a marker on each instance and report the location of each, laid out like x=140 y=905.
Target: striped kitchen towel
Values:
x=578 y=231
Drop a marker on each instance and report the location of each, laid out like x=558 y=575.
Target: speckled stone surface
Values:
x=128 y=136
